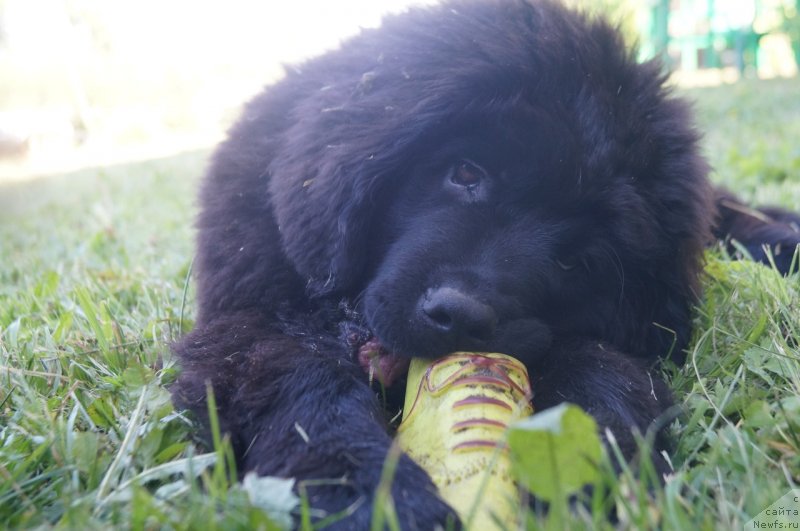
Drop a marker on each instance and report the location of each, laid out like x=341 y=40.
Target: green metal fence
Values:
x=694 y=34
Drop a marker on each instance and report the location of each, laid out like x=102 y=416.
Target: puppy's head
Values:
x=492 y=176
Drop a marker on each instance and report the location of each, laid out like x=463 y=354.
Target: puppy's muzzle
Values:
x=457 y=316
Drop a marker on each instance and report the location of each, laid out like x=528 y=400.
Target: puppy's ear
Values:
x=324 y=215
x=333 y=168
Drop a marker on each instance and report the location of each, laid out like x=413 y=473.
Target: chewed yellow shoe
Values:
x=456 y=412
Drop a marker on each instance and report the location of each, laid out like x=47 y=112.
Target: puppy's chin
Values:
x=524 y=339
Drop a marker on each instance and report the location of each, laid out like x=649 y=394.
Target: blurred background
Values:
x=97 y=82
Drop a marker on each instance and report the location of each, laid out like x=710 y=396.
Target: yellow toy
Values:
x=456 y=412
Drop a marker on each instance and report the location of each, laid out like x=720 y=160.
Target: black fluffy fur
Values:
x=336 y=205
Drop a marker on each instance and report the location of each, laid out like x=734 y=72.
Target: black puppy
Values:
x=495 y=175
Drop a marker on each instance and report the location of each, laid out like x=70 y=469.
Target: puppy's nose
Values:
x=458 y=315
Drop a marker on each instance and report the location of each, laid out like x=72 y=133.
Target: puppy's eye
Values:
x=468 y=175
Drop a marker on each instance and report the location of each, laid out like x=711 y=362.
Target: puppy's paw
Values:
x=417 y=503
x=412 y=499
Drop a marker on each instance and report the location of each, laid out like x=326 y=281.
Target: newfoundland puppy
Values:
x=484 y=175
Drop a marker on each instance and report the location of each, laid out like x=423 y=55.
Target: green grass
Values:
x=752 y=138
x=93 y=269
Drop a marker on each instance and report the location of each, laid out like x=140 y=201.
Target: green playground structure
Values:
x=693 y=34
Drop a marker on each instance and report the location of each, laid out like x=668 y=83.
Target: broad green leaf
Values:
x=757 y=415
x=273 y=495
x=556 y=451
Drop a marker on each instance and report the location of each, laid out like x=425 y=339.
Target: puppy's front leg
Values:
x=620 y=392
x=309 y=415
